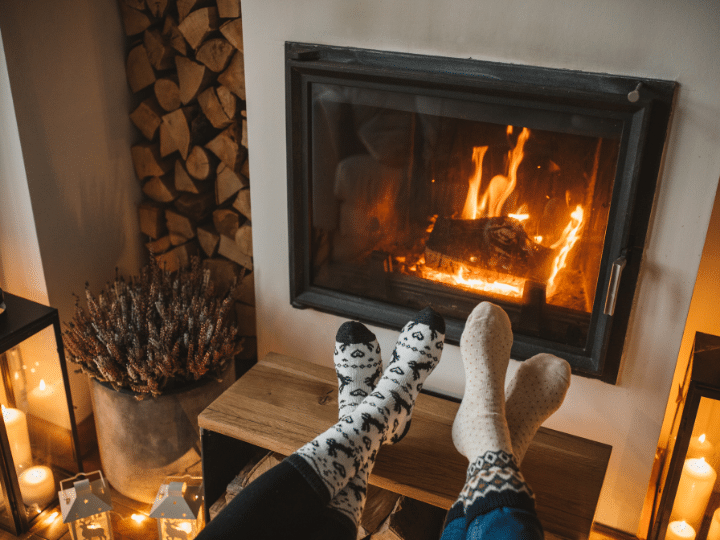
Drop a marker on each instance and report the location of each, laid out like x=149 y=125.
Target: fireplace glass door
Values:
x=417 y=194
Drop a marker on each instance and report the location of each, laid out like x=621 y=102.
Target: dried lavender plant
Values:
x=157 y=331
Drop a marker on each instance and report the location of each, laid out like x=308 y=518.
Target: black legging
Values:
x=280 y=504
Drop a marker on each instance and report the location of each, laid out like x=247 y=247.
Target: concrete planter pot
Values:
x=143 y=441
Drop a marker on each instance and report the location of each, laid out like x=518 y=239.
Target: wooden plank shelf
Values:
x=283 y=402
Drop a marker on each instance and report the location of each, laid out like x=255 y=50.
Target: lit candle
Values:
x=42 y=401
x=37 y=486
x=693 y=492
x=700 y=447
x=18 y=435
x=680 y=530
x=714 y=532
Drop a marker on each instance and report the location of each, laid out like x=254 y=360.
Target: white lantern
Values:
x=178 y=508
x=85 y=506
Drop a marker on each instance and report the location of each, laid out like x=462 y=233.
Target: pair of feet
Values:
x=375 y=406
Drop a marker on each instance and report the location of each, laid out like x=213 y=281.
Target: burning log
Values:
x=498 y=245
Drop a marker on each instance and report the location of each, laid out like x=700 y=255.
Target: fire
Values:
x=489 y=203
x=568 y=239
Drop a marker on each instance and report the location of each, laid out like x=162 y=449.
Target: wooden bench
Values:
x=282 y=403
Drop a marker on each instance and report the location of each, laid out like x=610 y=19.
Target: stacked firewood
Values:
x=185 y=67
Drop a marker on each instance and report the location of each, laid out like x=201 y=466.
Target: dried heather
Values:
x=154 y=332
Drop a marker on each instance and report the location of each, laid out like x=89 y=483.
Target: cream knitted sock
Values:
x=535 y=392
x=485 y=349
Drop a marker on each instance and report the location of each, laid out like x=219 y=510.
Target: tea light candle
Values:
x=37 y=486
x=680 y=530
x=714 y=532
x=18 y=435
x=693 y=492
x=700 y=447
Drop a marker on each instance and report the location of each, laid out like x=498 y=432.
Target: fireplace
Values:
x=418 y=180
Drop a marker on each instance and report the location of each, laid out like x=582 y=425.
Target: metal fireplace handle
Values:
x=614 y=285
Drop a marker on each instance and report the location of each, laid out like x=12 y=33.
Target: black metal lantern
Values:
x=38 y=434
x=689 y=491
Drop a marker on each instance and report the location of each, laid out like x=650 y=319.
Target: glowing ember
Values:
x=513 y=288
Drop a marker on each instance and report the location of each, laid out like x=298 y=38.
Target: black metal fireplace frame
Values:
x=643 y=105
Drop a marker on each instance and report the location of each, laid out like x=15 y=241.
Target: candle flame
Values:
x=138 y=518
x=52 y=517
x=702 y=438
x=42 y=384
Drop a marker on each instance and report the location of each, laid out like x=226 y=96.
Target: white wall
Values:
x=65 y=60
x=674 y=40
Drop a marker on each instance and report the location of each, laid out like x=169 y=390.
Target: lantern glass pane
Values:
x=97 y=526
x=37 y=419
x=186 y=529
x=698 y=493
x=6 y=520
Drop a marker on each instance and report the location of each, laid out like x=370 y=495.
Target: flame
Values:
x=512 y=288
x=470 y=210
x=567 y=240
x=42 y=384
x=701 y=438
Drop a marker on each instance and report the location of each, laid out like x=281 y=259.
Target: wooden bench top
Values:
x=283 y=402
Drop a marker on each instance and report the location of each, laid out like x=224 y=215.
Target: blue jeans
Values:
x=499 y=524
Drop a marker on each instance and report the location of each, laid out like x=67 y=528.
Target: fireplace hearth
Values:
x=418 y=180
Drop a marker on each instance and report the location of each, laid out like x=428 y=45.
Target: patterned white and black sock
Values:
x=536 y=391
x=359 y=367
x=480 y=431
x=333 y=458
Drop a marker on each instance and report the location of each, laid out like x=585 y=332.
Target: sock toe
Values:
x=431 y=318
x=354 y=332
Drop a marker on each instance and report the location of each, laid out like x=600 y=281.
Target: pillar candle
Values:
x=700 y=447
x=18 y=435
x=714 y=532
x=693 y=492
x=680 y=530
x=37 y=486
x=45 y=401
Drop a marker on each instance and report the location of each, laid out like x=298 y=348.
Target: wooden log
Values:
x=245 y=291
x=244 y=137
x=134 y=21
x=243 y=238
x=215 y=54
x=151 y=217
x=226 y=222
x=201 y=130
x=245 y=171
x=139 y=71
x=225 y=275
x=160 y=189
x=200 y=164
x=208 y=238
x=185 y=182
x=177 y=258
x=233 y=32
x=218 y=106
x=175 y=127
x=234 y=75
x=227 y=183
x=184 y=8
x=174 y=36
x=196 y=207
x=157 y=7
x=167 y=93
x=193 y=78
x=147 y=117
x=167 y=143
x=159 y=246
x=182 y=228
x=160 y=53
x=225 y=146
x=242 y=203
x=229 y=249
x=499 y=245
x=198 y=24
x=147 y=160
x=228 y=8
